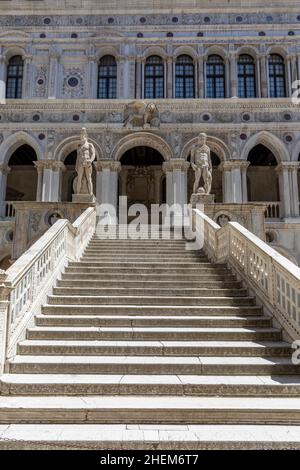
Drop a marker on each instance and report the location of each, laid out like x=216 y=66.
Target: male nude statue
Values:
x=201 y=164
x=85 y=158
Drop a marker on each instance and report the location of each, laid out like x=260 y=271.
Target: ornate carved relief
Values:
x=73 y=83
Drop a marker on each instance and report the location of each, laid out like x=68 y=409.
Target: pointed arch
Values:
x=16 y=140
x=269 y=140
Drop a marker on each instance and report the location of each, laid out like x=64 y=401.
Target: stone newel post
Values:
x=4 y=170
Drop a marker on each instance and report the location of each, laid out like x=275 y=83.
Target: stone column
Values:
x=244 y=167
x=294 y=69
x=4 y=170
x=294 y=168
x=107 y=183
x=227 y=77
x=169 y=74
x=288 y=187
x=200 y=78
x=27 y=76
x=283 y=170
x=225 y=167
x=289 y=75
x=50 y=180
x=39 y=189
x=2 y=79
x=233 y=74
x=264 y=79
x=177 y=186
x=138 y=78
x=234 y=181
x=143 y=78
x=93 y=76
x=257 y=78
x=53 y=74
x=168 y=170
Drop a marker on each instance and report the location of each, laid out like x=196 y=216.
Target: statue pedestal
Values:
x=84 y=198
x=197 y=198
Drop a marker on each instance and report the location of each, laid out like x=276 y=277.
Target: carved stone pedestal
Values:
x=202 y=199
x=84 y=198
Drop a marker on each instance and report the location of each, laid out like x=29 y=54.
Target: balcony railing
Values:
x=272 y=210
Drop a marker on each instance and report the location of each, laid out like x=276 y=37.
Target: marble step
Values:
x=130 y=275
x=105 y=250
x=165 y=271
x=72 y=281
x=143 y=365
x=146 y=264
x=149 y=300
x=161 y=279
x=149 y=410
x=199 y=385
x=168 y=292
x=148 y=437
x=154 y=333
x=144 y=321
x=150 y=310
x=154 y=348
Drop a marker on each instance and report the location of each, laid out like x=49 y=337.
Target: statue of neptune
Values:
x=85 y=157
x=201 y=164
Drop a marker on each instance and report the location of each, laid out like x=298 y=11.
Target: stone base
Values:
x=202 y=199
x=84 y=198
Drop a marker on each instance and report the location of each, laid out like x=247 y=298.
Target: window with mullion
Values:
x=277 y=84
x=246 y=77
x=14 y=80
x=215 y=77
x=154 y=78
x=107 y=78
x=184 y=77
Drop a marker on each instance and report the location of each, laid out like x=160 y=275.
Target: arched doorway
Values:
x=22 y=178
x=262 y=180
x=142 y=177
x=216 y=188
x=69 y=176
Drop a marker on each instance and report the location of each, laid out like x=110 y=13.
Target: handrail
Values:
x=25 y=285
x=273 y=278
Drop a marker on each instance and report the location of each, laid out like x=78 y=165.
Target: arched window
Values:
x=215 y=77
x=107 y=78
x=154 y=77
x=246 y=77
x=277 y=85
x=184 y=77
x=14 y=80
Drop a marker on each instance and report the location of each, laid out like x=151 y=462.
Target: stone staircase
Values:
x=145 y=344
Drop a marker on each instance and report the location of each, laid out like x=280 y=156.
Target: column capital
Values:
x=27 y=57
x=233 y=164
x=110 y=165
x=49 y=164
x=176 y=164
x=287 y=166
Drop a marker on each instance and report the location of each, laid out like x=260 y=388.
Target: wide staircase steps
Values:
x=147 y=344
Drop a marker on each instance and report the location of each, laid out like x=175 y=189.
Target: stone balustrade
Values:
x=270 y=276
x=25 y=285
